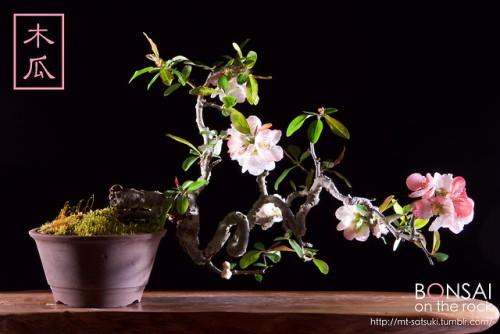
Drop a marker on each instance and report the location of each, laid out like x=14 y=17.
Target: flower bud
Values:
x=226 y=273
x=226 y=265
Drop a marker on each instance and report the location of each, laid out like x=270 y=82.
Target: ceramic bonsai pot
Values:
x=97 y=271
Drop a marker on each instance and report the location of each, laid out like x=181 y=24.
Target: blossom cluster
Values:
x=357 y=223
x=444 y=196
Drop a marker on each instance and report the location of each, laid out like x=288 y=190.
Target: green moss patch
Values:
x=96 y=222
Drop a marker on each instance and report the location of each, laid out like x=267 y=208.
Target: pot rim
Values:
x=35 y=234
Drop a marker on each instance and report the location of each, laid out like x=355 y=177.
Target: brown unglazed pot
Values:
x=97 y=271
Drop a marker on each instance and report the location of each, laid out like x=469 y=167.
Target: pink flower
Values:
x=353 y=223
x=450 y=204
x=422 y=186
x=257 y=152
x=233 y=88
x=379 y=229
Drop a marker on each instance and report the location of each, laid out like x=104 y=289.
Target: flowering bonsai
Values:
x=440 y=200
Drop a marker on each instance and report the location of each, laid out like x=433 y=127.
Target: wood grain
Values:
x=247 y=312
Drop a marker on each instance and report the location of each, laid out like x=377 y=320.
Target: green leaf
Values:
x=391 y=218
x=186 y=71
x=227 y=111
x=196 y=185
x=258 y=277
x=249 y=258
x=242 y=44
x=204 y=91
x=296 y=247
x=420 y=223
x=165 y=211
x=242 y=78
x=186 y=184
x=140 y=72
x=182 y=204
x=282 y=177
x=259 y=264
x=440 y=257
x=294 y=151
x=179 y=59
x=170 y=193
x=166 y=76
x=186 y=164
x=315 y=130
x=296 y=124
x=259 y=246
x=274 y=256
x=251 y=59
x=309 y=178
x=238 y=50
x=397 y=208
x=322 y=266
x=329 y=111
x=361 y=208
x=223 y=82
x=343 y=178
x=240 y=122
x=252 y=91
x=185 y=142
x=305 y=155
x=180 y=76
x=153 y=80
x=171 y=89
x=407 y=208
x=229 y=101
x=337 y=128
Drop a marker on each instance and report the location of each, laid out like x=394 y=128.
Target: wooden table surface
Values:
x=253 y=312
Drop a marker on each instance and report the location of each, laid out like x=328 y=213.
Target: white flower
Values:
x=271 y=212
x=258 y=151
x=379 y=229
x=353 y=223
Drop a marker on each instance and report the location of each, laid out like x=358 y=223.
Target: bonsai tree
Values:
x=440 y=200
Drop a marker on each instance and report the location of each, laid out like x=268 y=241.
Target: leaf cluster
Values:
x=214 y=146
x=177 y=197
x=260 y=256
x=174 y=72
x=239 y=67
x=315 y=129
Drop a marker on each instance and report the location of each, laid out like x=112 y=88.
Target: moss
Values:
x=96 y=222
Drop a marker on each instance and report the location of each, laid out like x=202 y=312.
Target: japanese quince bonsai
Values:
x=439 y=200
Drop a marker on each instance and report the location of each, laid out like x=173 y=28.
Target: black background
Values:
x=416 y=84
